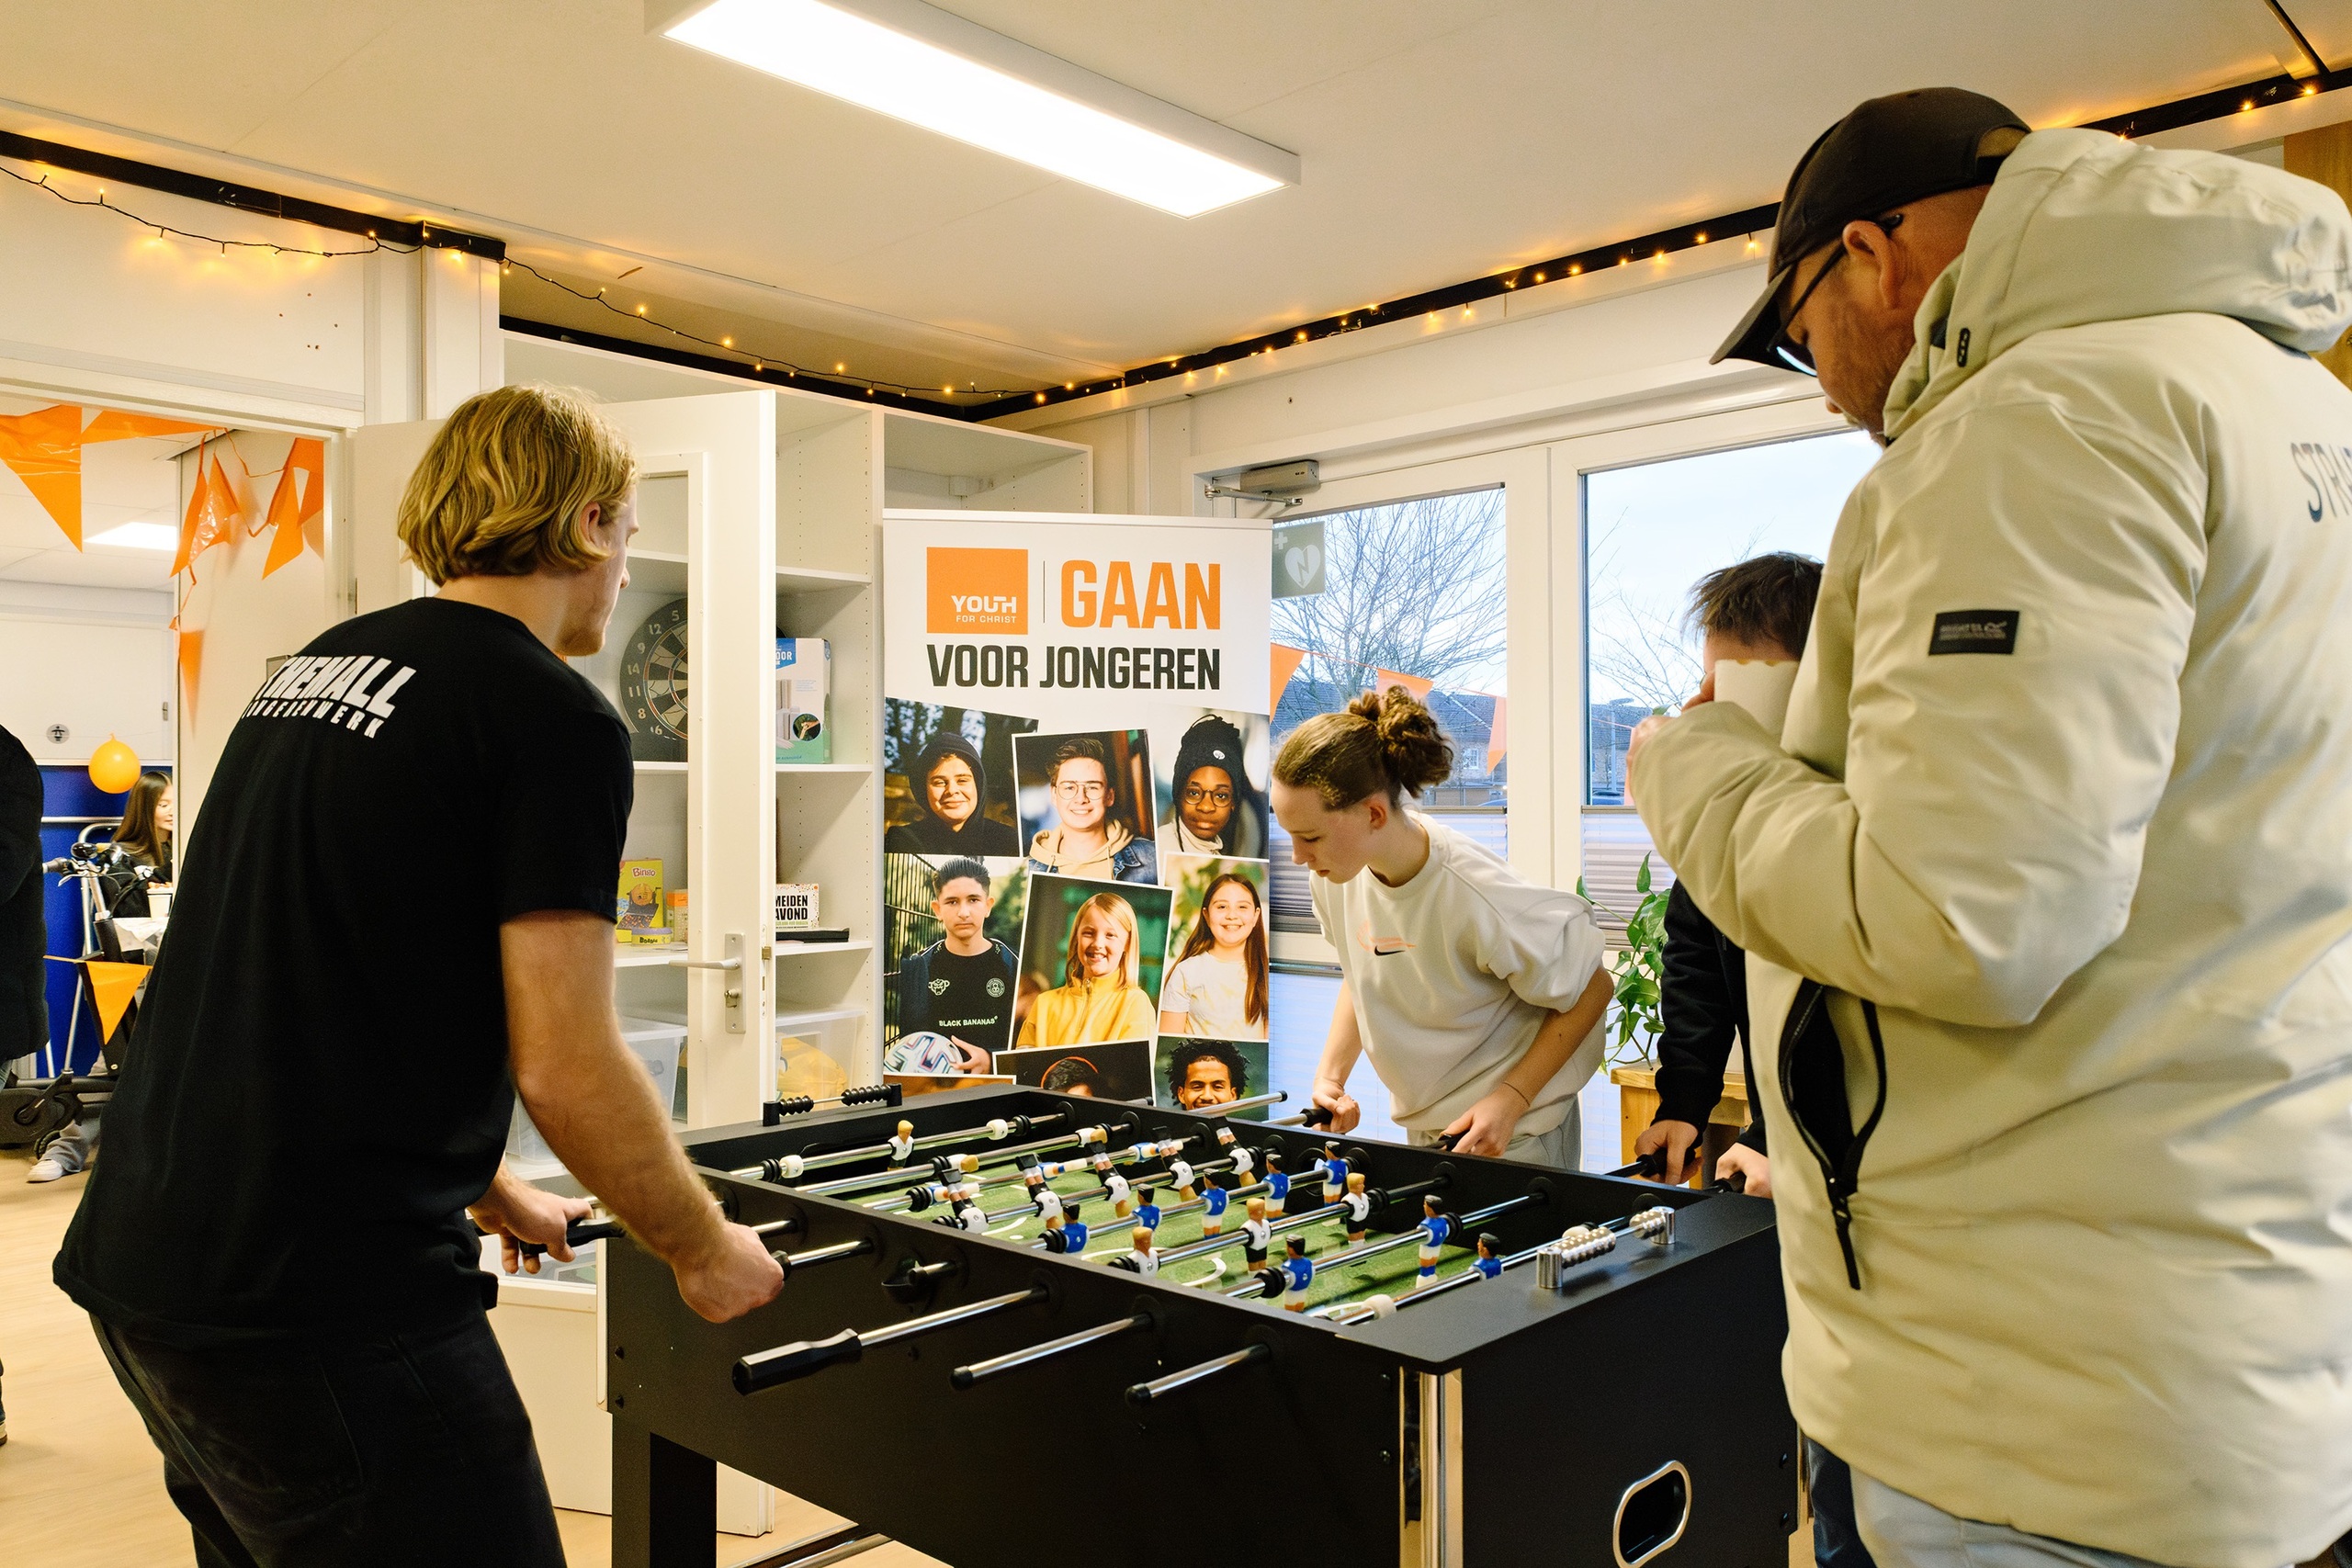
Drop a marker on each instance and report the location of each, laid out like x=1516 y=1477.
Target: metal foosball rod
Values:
x=791 y=1168
x=898 y=1175
x=1014 y=1361
x=1141 y=1184
x=920 y=1197
x=1143 y=1394
x=1591 y=1242
x=767 y=1368
x=1354 y=1255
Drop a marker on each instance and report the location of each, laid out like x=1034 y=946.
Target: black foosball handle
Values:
x=577 y=1235
x=768 y=1369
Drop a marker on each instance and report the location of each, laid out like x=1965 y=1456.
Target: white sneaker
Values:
x=61 y=1158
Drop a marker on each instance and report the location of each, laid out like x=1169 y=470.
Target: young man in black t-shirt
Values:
x=963 y=985
x=275 y=1250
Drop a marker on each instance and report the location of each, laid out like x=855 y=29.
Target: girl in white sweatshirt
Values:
x=1478 y=996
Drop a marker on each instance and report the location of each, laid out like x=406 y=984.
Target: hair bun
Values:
x=1413 y=747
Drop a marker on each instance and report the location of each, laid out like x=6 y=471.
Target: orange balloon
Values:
x=114 y=767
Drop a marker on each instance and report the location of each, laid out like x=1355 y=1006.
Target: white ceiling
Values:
x=122 y=482
x=1442 y=140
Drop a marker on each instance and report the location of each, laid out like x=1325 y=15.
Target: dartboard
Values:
x=653 y=685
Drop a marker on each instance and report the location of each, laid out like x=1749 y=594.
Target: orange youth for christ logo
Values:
x=974 y=590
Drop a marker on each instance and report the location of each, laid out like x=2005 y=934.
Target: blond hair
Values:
x=1121 y=913
x=1382 y=743
x=501 y=489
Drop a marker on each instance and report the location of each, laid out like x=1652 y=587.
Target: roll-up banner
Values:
x=1074 y=759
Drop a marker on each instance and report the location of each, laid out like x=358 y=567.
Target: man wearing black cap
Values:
x=951 y=792
x=2051 y=868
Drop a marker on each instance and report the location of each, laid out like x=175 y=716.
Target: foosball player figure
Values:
x=1436 y=1226
x=902 y=1145
x=1277 y=1184
x=1144 y=1258
x=1213 y=1200
x=1335 y=1173
x=1299 y=1269
x=1121 y=1199
x=1358 y=1207
x=1245 y=1159
x=1065 y=1235
x=1181 y=1173
x=1257 y=1234
x=1491 y=1263
x=1147 y=1211
x=1049 y=1204
x=1033 y=1179
x=969 y=1215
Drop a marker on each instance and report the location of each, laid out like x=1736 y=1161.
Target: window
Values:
x=1651 y=532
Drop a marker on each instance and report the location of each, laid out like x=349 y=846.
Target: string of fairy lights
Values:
x=102 y=202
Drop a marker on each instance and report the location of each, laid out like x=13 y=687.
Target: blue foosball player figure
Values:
x=1335 y=1173
x=1299 y=1270
x=1437 y=1226
x=1277 y=1184
x=1215 y=1199
x=1147 y=1211
x=1491 y=1263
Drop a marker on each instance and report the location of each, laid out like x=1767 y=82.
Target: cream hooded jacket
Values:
x=2068 y=793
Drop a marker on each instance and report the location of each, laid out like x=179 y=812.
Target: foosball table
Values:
x=1338 y=1348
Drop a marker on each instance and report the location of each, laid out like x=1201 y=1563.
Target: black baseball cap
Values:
x=1902 y=148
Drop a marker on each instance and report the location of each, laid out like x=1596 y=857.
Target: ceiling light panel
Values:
x=138 y=536
x=918 y=63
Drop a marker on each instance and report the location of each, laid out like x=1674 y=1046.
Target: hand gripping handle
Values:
x=577 y=1235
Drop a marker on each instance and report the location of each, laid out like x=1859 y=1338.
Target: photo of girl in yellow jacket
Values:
x=1104 y=995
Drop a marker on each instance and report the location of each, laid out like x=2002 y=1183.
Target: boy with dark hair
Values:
x=1757 y=610
x=961 y=985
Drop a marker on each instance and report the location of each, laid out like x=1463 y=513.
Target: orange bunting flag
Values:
x=1383 y=679
x=1286 y=661
x=191 y=657
x=211 y=514
x=309 y=456
x=1498 y=735
x=44 y=449
x=113 y=425
x=285 y=516
x=113 y=985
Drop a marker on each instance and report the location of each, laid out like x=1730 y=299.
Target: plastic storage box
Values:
x=815 y=1051
x=657 y=1045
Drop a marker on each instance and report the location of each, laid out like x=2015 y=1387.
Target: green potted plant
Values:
x=1639 y=971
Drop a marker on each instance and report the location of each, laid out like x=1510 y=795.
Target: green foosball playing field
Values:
x=1390 y=1273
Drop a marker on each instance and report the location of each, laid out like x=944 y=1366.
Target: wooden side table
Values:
x=1637 y=1108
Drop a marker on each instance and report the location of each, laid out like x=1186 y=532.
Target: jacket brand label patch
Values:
x=1975 y=631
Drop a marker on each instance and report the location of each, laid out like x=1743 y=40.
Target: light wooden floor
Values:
x=80 y=1483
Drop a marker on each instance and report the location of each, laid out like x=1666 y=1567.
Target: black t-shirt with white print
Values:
x=970 y=999
x=317 y=1083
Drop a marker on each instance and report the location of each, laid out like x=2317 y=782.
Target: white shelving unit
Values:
x=762 y=509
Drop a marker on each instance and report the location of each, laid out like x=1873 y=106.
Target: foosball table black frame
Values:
x=1628 y=1409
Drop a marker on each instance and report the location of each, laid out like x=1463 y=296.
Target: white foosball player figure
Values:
x=1117 y=1185
x=1257 y=1234
x=902 y=1143
x=1049 y=1204
x=1181 y=1173
x=1359 y=1208
x=1144 y=1257
x=1244 y=1161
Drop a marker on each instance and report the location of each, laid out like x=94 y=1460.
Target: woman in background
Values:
x=1217 y=989
x=1100 y=997
x=144 y=839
